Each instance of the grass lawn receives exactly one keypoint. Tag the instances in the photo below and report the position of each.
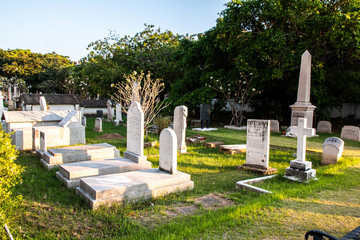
(331, 204)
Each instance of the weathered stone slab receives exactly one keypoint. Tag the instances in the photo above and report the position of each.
(118, 114)
(98, 125)
(274, 126)
(204, 129)
(298, 175)
(73, 116)
(180, 115)
(332, 150)
(22, 138)
(324, 127)
(196, 139)
(213, 144)
(350, 133)
(110, 112)
(233, 149)
(232, 127)
(43, 106)
(300, 165)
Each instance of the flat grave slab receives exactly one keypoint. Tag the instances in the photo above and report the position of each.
(213, 144)
(71, 173)
(232, 127)
(204, 129)
(233, 149)
(131, 186)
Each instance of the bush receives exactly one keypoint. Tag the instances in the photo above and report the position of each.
(162, 122)
(10, 175)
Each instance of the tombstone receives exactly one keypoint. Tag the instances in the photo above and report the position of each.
(99, 113)
(323, 127)
(43, 106)
(73, 116)
(118, 115)
(116, 122)
(43, 146)
(1, 105)
(135, 133)
(98, 125)
(300, 170)
(205, 113)
(257, 146)
(350, 133)
(332, 150)
(110, 112)
(303, 108)
(83, 121)
(274, 126)
(10, 103)
(135, 92)
(168, 151)
(180, 115)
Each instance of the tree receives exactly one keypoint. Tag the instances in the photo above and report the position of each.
(148, 90)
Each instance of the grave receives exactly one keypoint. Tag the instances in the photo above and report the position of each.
(232, 127)
(118, 114)
(350, 133)
(258, 146)
(300, 170)
(180, 115)
(205, 116)
(213, 144)
(1, 104)
(138, 185)
(233, 149)
(110, 112)
(303, 108)
(43, 106)
(83, 121)
(332, 150)
(98, 125)
(56, 156)
(323, 127)
(274, 126)
(196, 139)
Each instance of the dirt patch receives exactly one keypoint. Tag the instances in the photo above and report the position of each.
(111, 136)
(213, 201)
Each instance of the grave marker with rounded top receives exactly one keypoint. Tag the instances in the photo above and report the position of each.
(98, 125)
(350, 133)
(324, 127)
(168, 151)
(332, 150)
(180, 115)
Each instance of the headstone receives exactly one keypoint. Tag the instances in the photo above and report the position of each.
(135, 133)
(274, 126)
(98, 125)
(180, 115)
(257, 146)
(323, 127)
(303, 108)
(73, 116)
(1, 105)
(118, 115)
(43, 106)
(168, 151)
(83, 121)
(332, 150)
(116, 122)
(350, 133)
(135, 92)
(99, 113)
(43, 146)
(205, 113)
(300, 170)
(110, 112)
(10, 103)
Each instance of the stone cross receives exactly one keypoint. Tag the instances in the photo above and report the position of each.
(135, 92)
(180, 115)
(118, 115)
(301, 139)
(43, 106)
(168, 151)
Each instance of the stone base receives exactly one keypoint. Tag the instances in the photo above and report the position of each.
(258, 169)
(131, 186)
(213, 144)
(71, 173)
(233, 149)
(232, 127)
(116, 122)
(300, 176)
(134, 157)
(204, 129)
(301, 165)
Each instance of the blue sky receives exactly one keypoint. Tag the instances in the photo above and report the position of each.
(67, 27)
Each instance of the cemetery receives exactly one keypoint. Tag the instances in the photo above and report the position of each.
(250, 130)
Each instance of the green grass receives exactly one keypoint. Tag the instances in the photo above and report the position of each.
(50, 211)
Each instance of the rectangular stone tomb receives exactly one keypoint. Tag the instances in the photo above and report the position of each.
(71, 173)
(55, 156)
(213, 144)
(131, 186)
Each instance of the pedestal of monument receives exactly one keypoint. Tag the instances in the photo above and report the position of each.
(303, 110)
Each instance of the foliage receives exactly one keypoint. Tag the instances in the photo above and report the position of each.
(9, 176)
(162, 122)
(146, 93)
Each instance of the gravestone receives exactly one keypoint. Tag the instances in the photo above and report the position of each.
(350, 133)
(43, 106)
(180, 115)
(99, 113)
(135, 92)
(323, 127)
(10, 103)
(98, 125)
(135, 133)
(274, 126)
(83, 121)
(118, 115)
(110, 112)
(257, 146)
(1, 105)
(43, 146)
(300, 170)
(303, 108)
(332, 150)
(168, 151)
(73, 116)
(205, 114)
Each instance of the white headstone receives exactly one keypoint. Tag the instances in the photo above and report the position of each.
(135, 92)
(180, 115)
(1, 105)
(43, 106)
(274, 126)
(323, 127)
(350, 133)
(110, 112)
(168, 151)
(98, 125)
(10, 103)
(332, 150)
(258, 142)
(43, 146)
(73, 116)
(135, 133)
(118, 112)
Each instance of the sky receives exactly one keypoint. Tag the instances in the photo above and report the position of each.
(68, 26)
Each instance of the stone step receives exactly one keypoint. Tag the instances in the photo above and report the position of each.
(71, 173)
(131, 186)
